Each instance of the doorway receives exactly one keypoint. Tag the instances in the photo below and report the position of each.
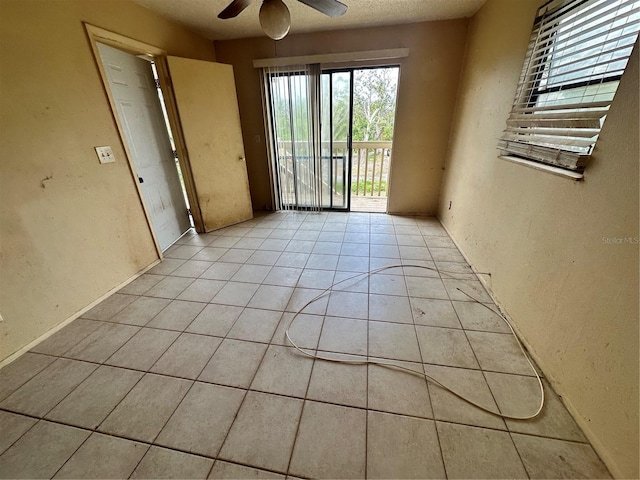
(202, 109)
(174, 148)
(143, 118)
(331, 136)
(375, 93)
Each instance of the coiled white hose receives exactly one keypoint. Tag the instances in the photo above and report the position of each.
(315, 355)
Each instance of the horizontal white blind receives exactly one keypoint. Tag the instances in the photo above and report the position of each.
(577, 53)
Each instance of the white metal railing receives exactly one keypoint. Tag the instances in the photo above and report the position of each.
(369, 168)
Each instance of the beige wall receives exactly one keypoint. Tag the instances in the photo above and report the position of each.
(428, 85)
(69, 239)
(573, 298)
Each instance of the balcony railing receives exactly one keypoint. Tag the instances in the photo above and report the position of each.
(369, 172)
(370, 168)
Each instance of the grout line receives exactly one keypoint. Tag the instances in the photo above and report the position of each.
(135, 335)
(304, 400)
(76, 451)
(73, 389)
(266, 343)
(153, 440)
(235, 417)
(367, 368)
(485, 378)
(66, 424)
(144, 373)
(95, 429)
(33, 376)
(140, 461)
(433, 413)
(38, 420)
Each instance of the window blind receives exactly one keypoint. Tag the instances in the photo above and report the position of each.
(291, 98)
(577, 53)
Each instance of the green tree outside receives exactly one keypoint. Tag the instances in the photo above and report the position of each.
(374, 104)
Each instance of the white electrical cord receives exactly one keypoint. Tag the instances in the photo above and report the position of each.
(311, 354)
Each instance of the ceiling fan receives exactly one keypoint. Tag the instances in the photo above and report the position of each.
(274, 14)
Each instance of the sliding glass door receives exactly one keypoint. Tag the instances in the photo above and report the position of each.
(295, 135)
(336, 94)
(309, 122)
(331, 136)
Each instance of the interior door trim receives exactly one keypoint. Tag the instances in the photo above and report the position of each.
(135, 47)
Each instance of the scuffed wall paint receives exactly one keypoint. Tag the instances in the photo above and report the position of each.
(571, 293)
(71, 229)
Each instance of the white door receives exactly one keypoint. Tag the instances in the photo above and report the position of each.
(133, 89)
(208, 107)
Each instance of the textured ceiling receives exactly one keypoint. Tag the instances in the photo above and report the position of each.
(201, 15)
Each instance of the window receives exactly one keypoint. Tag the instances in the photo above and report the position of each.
(577, 53)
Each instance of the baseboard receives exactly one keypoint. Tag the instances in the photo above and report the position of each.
(412, 214)
(79, 313)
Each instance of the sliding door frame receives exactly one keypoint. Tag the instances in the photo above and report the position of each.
(346, 166)
(348, 163)
(352, 70)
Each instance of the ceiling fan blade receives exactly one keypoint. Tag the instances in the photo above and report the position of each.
(234, 8)
(333, 8)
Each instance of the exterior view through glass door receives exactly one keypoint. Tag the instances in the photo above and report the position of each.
(374, 110)
(335, 132)
(331, 136)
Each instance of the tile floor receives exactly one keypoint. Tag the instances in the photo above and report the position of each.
(186, 372)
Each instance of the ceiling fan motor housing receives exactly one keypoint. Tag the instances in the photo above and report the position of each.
(275, 19)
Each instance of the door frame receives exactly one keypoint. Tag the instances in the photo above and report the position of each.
(347, 166)
(351, 69)
(330, 69)
(135, 47)
(274, 173)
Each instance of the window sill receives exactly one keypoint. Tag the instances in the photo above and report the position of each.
(577, 176)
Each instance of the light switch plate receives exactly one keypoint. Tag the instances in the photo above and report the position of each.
(105, 154)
